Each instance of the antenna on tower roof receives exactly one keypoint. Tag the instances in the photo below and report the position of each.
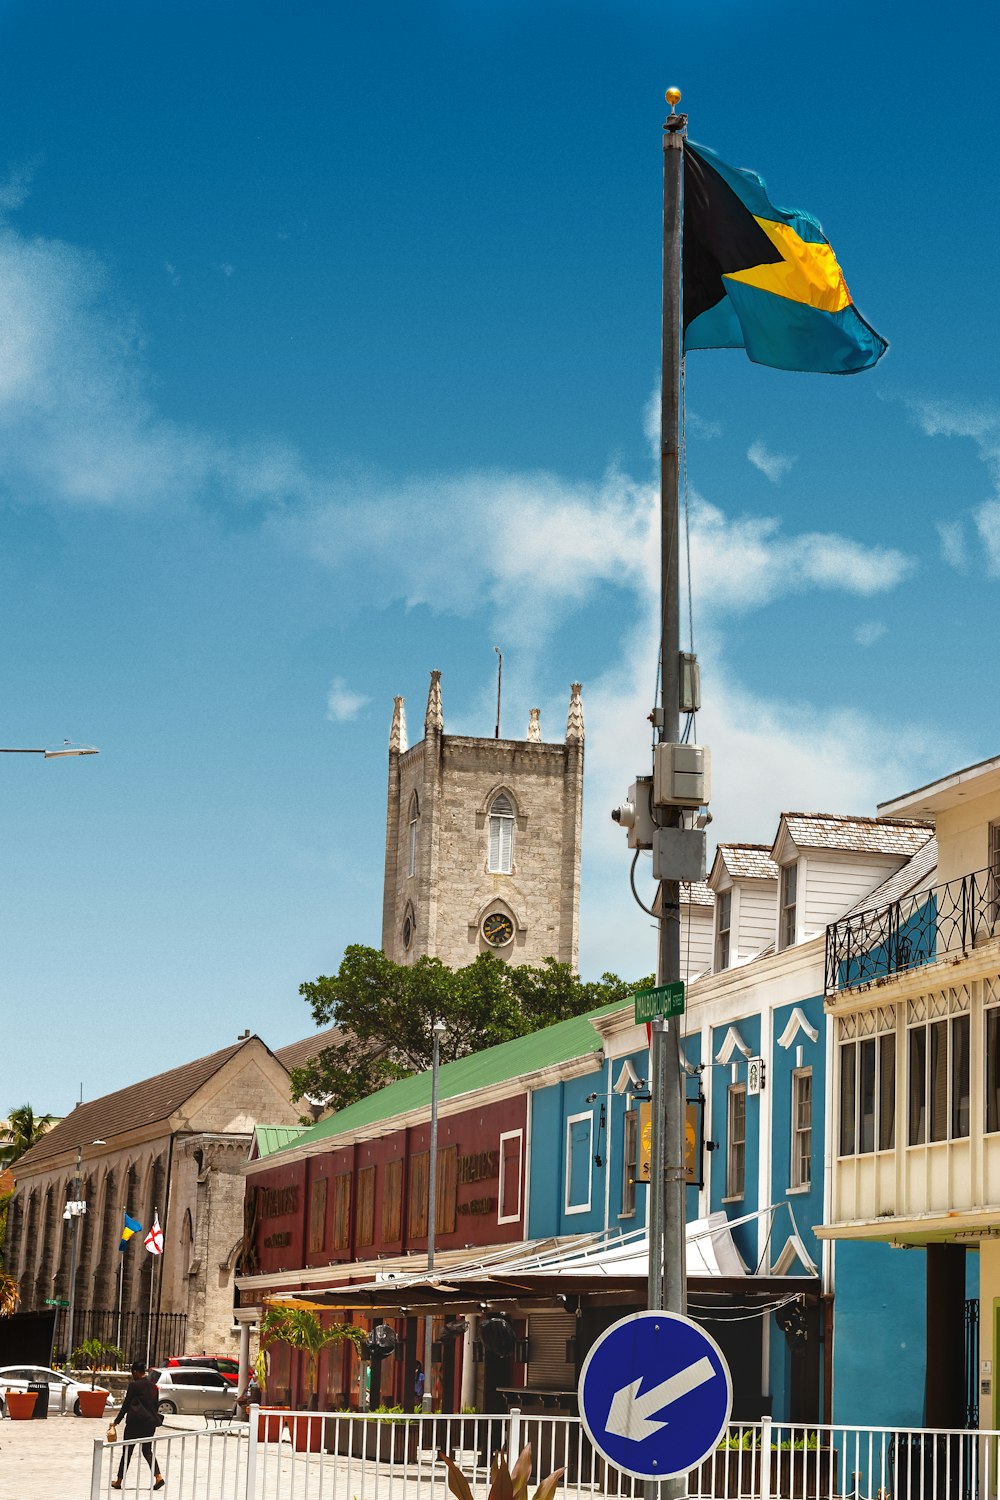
(499, 682)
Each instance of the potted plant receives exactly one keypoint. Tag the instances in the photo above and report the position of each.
(94, 1355)
(301, 1329)
(20, 1405)
(505, 1483)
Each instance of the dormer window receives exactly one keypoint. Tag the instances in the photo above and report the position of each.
(724, 910)
(501, 852)
(789, 885)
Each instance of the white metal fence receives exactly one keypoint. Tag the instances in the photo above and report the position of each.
(286, 1455)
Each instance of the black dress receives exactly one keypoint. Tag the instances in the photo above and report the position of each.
(140, 1410)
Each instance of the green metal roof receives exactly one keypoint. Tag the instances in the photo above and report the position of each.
(541, 1049)
(270, 1138)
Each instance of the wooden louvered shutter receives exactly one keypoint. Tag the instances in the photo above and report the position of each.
(392, 1202)
(365, 1211)
(446, 1208)
(416, 1216)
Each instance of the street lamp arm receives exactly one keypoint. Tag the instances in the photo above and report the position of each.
(66, 749)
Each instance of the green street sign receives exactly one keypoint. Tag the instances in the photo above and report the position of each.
(661, 1000)
(57, 1302)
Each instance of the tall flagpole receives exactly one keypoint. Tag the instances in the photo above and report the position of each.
(667, 1280)
(152, 1283)
(121, 1288)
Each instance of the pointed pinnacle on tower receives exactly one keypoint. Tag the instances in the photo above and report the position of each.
(534, 727)
(574, 719)
(434, 717)
(397, 731)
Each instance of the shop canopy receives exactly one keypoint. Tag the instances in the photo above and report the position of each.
(614, 1265)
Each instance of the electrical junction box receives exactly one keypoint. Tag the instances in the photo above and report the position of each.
(682, 776)
(679, 854)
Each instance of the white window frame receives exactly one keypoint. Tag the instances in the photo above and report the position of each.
(502, 824)
(510, 1135)
(579, 1208)
(735, 1089)
(796, 1182)
(723, 900)
(788, 910)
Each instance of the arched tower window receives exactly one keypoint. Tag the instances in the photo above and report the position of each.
(501, 855)
(411, 860)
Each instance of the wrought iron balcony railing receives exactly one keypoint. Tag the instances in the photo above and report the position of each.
(946, 919)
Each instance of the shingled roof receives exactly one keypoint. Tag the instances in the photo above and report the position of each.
(748, 861)
(697, 893)
(857, 835)
(132, 1108)
(297, 1054)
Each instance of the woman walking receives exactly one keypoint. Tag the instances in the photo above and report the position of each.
(141, 1414)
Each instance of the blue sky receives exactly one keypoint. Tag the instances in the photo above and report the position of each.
(328, 336)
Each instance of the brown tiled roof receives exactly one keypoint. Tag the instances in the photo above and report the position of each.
(140, 1104)
(748, 861)
(297, 1054)
(916, 876)
(697, 894)
(902, 836)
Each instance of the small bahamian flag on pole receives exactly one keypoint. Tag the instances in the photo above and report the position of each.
(154, 1239)
(131, 1227)
(764, 279)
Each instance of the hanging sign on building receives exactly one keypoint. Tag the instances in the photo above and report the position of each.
(694, 1131)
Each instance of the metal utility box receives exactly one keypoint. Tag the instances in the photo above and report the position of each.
(679, 854)
(682, 776)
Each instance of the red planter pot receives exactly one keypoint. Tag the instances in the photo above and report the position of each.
(92, 1403)
(21, 1405)
(307, 1434)
(269, 1426)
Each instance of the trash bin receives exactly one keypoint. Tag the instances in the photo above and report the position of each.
(928, 1466)
(41, 1391)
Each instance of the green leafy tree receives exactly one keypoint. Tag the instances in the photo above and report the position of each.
(10, 1295)
(302, 1329)
(23, 1128)
(386, 1011)
(94, 1355)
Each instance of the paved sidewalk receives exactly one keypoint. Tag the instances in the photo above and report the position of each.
(52, 1460)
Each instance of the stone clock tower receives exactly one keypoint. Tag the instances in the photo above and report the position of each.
(482, 842)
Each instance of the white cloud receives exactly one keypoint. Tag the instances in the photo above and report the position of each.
(869, 631)
(15, 186)
(953, 550)
(774, 465)
(342, 704)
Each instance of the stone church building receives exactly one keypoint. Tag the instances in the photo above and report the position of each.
(175, 1145)
(482, 848)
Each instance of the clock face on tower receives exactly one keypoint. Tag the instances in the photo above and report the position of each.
(498, 929)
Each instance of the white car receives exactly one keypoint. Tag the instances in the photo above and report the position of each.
(19, 1377)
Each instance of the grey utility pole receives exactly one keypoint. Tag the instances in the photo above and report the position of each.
(438, 1032)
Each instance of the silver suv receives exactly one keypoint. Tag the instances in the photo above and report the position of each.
(191, 1391)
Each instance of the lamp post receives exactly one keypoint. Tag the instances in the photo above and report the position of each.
(438, 1032)
(60, 754)
(75, 1208)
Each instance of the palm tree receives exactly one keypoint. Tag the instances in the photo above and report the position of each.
(20, 1132)
(10, 1295)
(301, 1329)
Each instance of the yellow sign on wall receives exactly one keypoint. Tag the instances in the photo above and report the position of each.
(693, 1119)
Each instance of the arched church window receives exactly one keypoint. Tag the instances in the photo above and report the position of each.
(501, 854)
(411, 864)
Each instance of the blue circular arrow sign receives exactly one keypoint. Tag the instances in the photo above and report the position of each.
(655, 1395)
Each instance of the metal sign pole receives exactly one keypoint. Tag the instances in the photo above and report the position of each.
(667, 1269)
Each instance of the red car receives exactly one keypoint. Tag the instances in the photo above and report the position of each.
(226, 1364)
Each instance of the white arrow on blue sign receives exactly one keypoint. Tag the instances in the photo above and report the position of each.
(655, 1395)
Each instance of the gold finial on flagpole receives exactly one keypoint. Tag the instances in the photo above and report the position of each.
(673, 98)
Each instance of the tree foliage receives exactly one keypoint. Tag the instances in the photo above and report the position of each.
(386, 1013)
(22, 1130)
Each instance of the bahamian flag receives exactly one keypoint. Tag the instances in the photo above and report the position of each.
(764, 279)
(132, 1226)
